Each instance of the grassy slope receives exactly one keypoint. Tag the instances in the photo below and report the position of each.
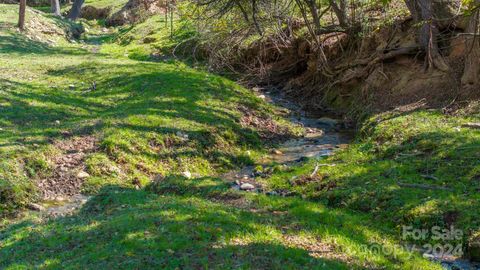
(424, 147)
(135, 104)
(139, 111)
(152, 37)
(114, 4)
(200, 224)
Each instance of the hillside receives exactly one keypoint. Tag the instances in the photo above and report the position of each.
(120, 149)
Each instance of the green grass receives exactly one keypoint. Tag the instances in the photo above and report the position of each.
(152, 39)
(191, 224)
(394, 151)
(114, 4)
(139, 111)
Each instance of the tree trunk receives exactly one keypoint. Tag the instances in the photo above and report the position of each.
(471, 74)
(243, 11)
(341, 12)
(254, 18)
(312, 5)
(76, 9)
(21, 14)
(55, 7)
(431, 14)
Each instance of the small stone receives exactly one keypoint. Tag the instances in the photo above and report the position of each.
(36, 207)
(272, 193)
(277, 152)
(83, 175)
(187, 174)
(182, 135)
(196, 175)
(325, 121)
(247, 186)
(71, 86)
(65, 133)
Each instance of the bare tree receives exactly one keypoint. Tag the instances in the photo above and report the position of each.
(248, 8)
(55, 7)
(312, 5)
(339, 7)
(21, 14)
(431, 15)
(76, 9)
(471, 74)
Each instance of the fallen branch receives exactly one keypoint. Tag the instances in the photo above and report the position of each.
(472, 125)
(426, 176)
(315, 170)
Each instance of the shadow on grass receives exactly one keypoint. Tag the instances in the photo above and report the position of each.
(16, 43)
(195, 229)
(425, 176)
(135, 107)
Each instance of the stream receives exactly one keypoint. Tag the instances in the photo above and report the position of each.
(323, 135)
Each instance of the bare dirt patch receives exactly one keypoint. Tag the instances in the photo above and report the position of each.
(135, 11)
(68, 172)
(315, 247)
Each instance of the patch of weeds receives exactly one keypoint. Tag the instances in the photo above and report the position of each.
(15, 188)
(37, 165)
(99, 164)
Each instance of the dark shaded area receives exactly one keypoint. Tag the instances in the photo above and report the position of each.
(20, 44)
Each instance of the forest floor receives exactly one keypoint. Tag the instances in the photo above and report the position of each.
(149, 141)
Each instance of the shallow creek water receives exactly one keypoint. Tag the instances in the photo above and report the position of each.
(323, 135)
